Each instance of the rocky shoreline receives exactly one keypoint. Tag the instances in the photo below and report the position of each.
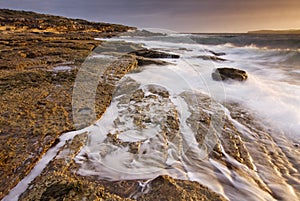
(36, 109)
(36, 98)
(42, 57)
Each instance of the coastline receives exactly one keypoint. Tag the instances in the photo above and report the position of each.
(36, 102)
(35, 97)
(213, 135)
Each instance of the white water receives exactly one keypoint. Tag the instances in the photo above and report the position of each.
(269, 91)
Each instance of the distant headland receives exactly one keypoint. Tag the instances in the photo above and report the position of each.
(290, 31)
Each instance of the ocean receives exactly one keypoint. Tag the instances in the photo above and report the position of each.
(240, 139)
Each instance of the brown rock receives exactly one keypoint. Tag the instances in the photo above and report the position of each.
(212, 58)
(145, 61)
(221, 74)
(154, 54)
(36, 102)
(166, 188)
(217, 53)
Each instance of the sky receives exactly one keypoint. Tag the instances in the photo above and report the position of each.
(177, 15)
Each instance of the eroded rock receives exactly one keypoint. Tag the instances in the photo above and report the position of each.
(217, 53)
(147, 53)
(145, 61)
(166, 188)
(212, 58)
(221, 74)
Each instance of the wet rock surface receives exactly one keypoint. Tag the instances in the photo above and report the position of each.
(217, 53)
(226, 136)
(211, 58)
(58, 180)
(221, 74)
(154, 54)
(144, 62)
(163, 186)
(142, 109)
(268, 151)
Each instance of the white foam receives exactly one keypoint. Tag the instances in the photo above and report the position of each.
(62, 68)
(277, 103)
